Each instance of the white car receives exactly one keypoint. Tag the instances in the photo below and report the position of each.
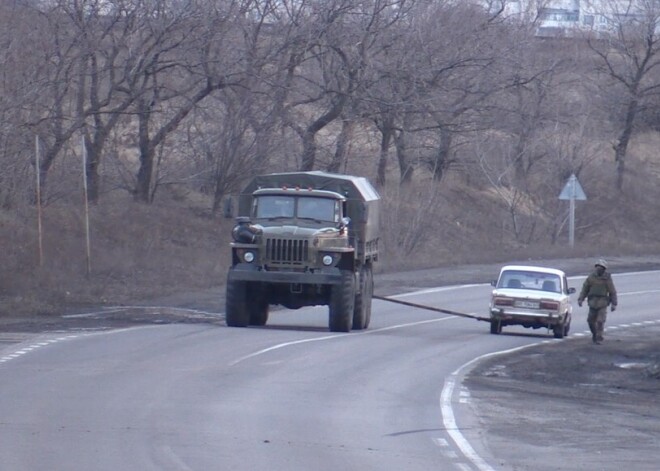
(532, 297)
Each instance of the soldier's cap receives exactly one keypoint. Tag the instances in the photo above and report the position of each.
(601, 263)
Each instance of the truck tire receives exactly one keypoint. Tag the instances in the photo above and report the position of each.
(236, 313)
(362, 310)
(257, 304)
(342, 303)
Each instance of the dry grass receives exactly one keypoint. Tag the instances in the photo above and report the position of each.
(136, 252)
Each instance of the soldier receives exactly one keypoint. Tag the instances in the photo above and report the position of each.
(600, 292)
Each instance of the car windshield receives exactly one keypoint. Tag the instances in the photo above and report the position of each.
(519, 279)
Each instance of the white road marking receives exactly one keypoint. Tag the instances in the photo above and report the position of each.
(23, 350)
(441, 442)
(452, 428)
(336, 336)
(112, 310)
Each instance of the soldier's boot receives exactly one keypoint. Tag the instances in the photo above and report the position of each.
(599, 332)
(594, 336)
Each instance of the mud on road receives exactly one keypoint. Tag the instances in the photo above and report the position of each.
(595, 407)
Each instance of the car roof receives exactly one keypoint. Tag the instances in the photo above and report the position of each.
(547, 270)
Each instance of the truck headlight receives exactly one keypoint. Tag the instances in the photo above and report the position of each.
(327, 260)
(249, 257)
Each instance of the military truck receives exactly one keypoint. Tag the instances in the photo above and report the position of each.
(304, 239)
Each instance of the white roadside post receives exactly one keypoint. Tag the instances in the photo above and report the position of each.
(572, 191)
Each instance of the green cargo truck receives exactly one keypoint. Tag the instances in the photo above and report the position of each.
(304, 239)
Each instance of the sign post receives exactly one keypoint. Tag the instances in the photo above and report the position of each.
(572, 191)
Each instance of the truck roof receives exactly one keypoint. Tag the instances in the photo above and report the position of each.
(347, 185)
(300, 192)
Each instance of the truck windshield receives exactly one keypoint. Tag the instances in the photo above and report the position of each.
(275, 206)
(322, 209)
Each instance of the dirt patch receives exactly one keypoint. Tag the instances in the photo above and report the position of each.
(598, 404)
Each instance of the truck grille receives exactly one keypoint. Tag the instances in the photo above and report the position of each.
(287, 251)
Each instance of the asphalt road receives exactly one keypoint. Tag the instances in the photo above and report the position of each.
(288, 396)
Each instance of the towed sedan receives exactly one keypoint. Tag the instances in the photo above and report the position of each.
(533, 297)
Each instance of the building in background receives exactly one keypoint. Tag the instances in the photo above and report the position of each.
(568, 18)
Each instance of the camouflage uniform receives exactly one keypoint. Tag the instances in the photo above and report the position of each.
(600, 292)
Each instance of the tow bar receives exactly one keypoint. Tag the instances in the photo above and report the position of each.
(431, 308)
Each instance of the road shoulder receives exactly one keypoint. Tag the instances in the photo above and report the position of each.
(597, 405)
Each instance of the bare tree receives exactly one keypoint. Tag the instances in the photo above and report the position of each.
(187, 62)
(629, 55)
(445, 84)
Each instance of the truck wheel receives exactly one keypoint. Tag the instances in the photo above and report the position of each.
(370, 285)
(342, 302)
(236, 314)
(495, 326)
(258, 306)
(362, 310)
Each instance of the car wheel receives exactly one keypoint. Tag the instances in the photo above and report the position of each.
(495, 326)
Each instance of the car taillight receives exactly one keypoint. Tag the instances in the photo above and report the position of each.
(550, 305)
(503, 301)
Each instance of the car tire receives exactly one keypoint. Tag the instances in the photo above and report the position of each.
(495, 326)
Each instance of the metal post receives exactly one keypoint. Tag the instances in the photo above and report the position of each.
(39, 227)
(88, 250)
(571, 223)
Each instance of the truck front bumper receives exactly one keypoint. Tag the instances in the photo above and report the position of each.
(245, 272)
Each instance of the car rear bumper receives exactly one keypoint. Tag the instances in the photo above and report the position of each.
(512, 317)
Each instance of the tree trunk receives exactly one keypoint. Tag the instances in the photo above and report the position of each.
(405, 169)
(442, 159)
(621, 147)
(148, 145)
(143, 182)
(386, 134)
(341, 151)
(309, 138)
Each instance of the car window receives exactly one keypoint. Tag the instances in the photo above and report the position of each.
(520, 279)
